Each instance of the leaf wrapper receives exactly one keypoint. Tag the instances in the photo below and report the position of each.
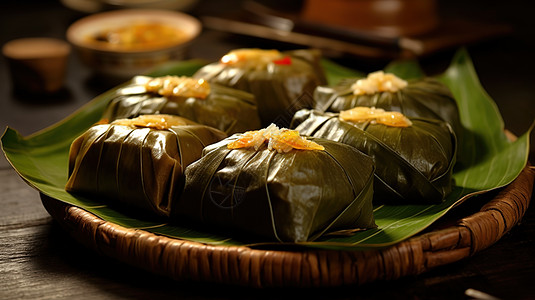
(421, 98)
(414, 164)
(41, 159)
(286, 197)
(136, 168)
(226, 109)
(280, 89)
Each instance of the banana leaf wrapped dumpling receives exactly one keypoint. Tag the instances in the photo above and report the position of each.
(290, 189)
(421, 98)
(282, 82)
(139, 163)
(414, 157)
(224, 108)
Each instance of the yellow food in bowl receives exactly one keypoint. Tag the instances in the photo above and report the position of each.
(120, 44)
(139, 35)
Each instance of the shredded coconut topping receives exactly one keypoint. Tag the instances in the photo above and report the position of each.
(374, 115)
(178, 86)
(282, 140)
(378, 82)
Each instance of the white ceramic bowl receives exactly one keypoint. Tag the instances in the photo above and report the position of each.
(124, 63)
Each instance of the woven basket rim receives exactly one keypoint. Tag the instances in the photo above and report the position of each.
(244, 266)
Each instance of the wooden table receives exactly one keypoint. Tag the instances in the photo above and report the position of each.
(38, 260)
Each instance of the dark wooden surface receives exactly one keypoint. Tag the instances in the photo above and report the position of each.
(38, 260)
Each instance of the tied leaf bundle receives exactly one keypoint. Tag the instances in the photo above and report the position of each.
(293, 196)
(282, 82)
(421, 98)
(226, 109)
(491, 161)
(139, 163)
(414, 164)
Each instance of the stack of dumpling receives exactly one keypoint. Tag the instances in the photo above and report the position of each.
(210, 151)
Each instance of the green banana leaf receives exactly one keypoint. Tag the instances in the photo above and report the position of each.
(41, 159)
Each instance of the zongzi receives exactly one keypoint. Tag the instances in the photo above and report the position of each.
(138, 163)
(421, 98)
(282, 82)
(276, 184)
(224, 108)
(414, 157)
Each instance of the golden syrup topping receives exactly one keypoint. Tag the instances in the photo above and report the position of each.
(374, 115)
(253, 58)
(178, 86)
(281, 140)
(160, 122)
(377, 82)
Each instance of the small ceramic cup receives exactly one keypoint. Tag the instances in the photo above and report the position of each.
(37, 65)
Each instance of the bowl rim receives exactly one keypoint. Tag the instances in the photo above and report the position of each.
(81, 25)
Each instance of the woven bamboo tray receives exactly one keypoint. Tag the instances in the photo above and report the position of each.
(239, 265)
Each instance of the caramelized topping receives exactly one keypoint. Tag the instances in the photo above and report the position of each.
(160, 122)
(282, 140)
(377, 82)
(375, 115)
(176, 86)
(254, 58)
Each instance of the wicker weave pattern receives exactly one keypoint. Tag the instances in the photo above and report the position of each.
(185, 260)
